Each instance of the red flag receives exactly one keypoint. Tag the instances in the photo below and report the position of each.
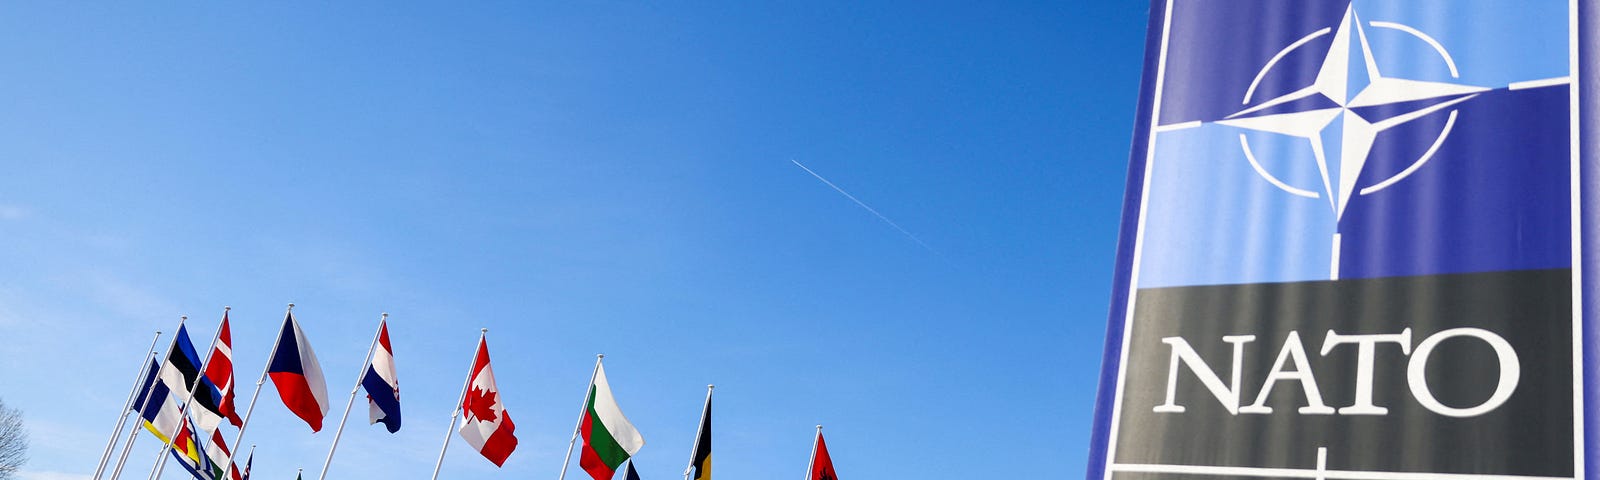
(822, 466)
(220, 370)
(485, 423)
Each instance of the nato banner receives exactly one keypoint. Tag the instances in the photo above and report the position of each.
(1359, 242)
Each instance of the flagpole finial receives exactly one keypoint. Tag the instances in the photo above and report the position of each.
(710, 386)
(819, 428)
(385, 315)
(483, 330)
(291, 306)
(184, 318)
(600, 355)
(226, 308)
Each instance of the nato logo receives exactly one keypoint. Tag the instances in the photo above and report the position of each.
(1358, 140)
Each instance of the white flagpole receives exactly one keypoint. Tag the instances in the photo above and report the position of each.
(813, 463)
(482, 333)
(693, 452)
(183, 411)
(138, 380)
(583, 410)
(364, 364)
(134, 435)
(146, 404)
(226, 469)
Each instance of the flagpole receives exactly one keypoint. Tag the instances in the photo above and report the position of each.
(693, 452)
(813, 463)
(138, 380)
(194, 386)
(252, 408)
(200, 375)
(584, 410)
(133, 434)
(364, 364)
(482, 333)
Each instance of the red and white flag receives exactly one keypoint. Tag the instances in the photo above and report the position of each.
(220, 370)
(486, 424)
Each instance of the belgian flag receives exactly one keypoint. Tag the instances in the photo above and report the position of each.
(700, 460)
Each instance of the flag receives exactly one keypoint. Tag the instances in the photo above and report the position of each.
(822, 465)
(297, 375)
(608, 438)
(187, 448)
(219, 369)
(247, 463)
(700, 459)
(158, 411)
(485, 423)
(217, 454)
(631, 474)
(383, 386)
(181, 372)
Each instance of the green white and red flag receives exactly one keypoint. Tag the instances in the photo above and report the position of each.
(608, 437)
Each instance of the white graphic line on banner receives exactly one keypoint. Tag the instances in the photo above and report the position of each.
(1547, 82)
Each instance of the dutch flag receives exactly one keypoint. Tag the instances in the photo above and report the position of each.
(297, 375)
(383, 387)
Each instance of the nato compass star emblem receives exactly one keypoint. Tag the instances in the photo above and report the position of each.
(1344, 110)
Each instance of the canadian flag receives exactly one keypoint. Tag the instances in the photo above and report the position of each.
(485, 423)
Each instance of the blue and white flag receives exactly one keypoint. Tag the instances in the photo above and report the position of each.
(383, 386)
(1359, 240)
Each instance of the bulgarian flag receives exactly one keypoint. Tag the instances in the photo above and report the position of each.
(608, 438)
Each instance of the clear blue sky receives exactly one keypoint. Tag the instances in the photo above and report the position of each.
(580, 178)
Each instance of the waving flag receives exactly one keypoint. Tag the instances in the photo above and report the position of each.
(630, 474)
(700, 459)
(383, 386)
(217, 455)
(248, 462)
(608, 438)
(159, 412)
(821, 463)
(486, 425)
(181, 372)
(297, 375)
(187, 448)
(219, 369)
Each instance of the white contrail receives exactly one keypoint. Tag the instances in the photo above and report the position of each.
(864, 205)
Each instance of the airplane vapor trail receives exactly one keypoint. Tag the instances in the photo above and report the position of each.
(865, 206)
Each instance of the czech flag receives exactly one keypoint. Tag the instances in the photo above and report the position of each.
(383, 386)
(297, 375)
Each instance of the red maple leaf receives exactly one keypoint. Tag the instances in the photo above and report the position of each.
(480, 403)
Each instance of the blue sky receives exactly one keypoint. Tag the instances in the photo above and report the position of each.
(580, 178)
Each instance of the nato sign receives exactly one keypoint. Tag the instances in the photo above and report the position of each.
(1359, 242)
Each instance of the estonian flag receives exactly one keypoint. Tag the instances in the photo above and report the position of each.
(181, 373)
(383, 386)
(297, 375)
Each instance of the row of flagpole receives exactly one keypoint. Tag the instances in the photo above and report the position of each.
(598, 411)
